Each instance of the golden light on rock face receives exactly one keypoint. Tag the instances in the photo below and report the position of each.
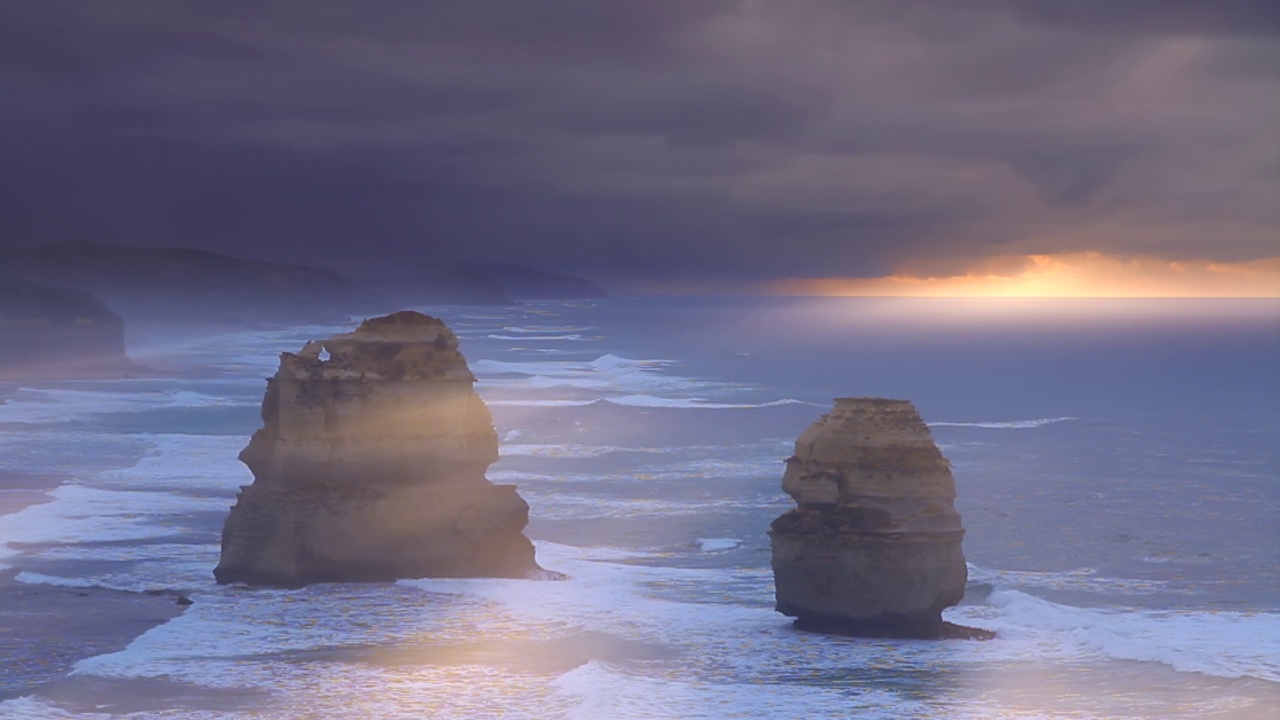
(1089, 274)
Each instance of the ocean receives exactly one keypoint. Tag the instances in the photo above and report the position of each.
(1117, 465)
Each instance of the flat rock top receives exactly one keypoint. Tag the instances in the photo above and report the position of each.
(405, 345)
(869, 432)
(403, 326)
(879, 419)
(872, 403)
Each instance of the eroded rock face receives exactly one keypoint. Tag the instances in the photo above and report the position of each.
(873, 547)
(370, 465)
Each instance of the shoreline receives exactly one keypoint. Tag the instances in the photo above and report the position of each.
(46, 629)
(19, 491)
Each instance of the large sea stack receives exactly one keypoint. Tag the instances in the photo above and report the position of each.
(370, 466)
(874, 547)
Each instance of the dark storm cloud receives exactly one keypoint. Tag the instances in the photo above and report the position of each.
(1188, 17)
(1126, 17)
(645, 140)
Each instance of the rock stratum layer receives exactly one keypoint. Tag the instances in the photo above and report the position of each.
(370, 466)
(873, 547)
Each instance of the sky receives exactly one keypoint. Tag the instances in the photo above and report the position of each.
(919, 147)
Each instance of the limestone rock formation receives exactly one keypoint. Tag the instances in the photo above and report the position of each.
(873, 547)
(370, 466)
(51, 332)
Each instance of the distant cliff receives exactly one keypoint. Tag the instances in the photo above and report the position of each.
(49, 332)
(180, 285)
(172, 284)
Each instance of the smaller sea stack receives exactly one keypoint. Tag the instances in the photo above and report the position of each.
(370, 466)
(873, 548)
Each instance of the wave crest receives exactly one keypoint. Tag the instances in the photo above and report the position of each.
(1010, 424)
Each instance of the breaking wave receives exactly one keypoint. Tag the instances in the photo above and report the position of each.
(650, 401)
(717, 544)
(1220, 644)
(47, 405)
(534, 338)
(1009, 425)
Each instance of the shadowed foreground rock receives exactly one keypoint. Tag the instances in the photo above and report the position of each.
(874, 547)
(370, 466)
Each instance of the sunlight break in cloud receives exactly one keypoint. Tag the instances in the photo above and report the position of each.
(1089, 274)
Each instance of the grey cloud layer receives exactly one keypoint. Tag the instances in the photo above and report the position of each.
(647, 140)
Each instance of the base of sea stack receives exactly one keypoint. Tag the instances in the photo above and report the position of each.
(889, 626)
(325, 534)
(500, 557)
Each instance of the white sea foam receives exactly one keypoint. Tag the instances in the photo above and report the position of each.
(66, 452)
(535, 338)
(32, 578)
(163, 553)
(82, 514)
(518, 477)
(238, 639)
(565, 368)
(180, 475)
(747, 466)
(257, 346)
(64, 405)
(539, 403)
(569, 450)
(604, 592)
(1221, 644)
(591, 569)
(607, 372)
(651, 401)
(185, 463)
(170, 565)
(647, 401)
(1009, 425)
(718, 544)
(542, 382)
(554, 503)
(1075, 579)
(31, 707)
(602, 690)
(546, 329)
(615, 380)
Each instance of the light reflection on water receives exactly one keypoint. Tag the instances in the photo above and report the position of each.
(651, 625)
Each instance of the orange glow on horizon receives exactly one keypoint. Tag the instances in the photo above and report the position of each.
(1088, 274)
